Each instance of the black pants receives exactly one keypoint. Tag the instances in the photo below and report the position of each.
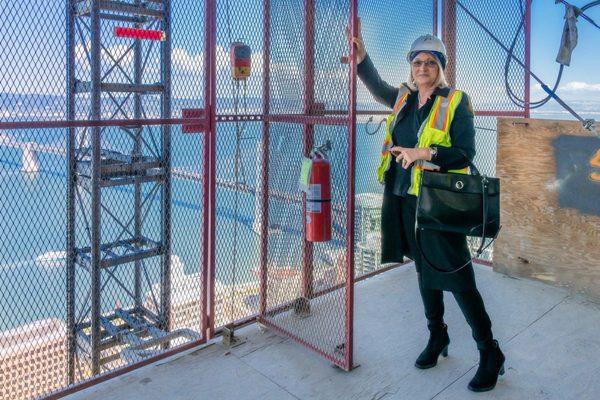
(471, 305)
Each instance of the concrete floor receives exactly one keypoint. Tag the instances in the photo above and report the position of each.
(550, 340)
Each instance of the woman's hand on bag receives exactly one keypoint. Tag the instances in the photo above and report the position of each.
(408, 155)
(358, 43)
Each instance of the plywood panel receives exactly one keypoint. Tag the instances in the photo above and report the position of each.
(550, 203)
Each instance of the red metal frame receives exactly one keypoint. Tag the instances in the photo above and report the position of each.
(264, 222)
(206, 198)
(58, 124)
(307, 135)
(487, 113)
(435, 17)
(123, 370)
(449, 38)
(527, 27)
(350, 195)
(210, 154)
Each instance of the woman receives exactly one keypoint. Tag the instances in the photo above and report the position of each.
(430, 124)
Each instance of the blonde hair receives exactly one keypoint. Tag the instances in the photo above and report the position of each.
(439, 82)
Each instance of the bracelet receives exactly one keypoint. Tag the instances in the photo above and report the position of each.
(433, 151)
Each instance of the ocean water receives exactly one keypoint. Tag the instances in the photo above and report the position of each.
(33, 213)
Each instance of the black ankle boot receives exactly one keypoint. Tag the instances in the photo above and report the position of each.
(491, 364)
(438, 343)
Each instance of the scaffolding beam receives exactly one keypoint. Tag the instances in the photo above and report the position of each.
(99, 161)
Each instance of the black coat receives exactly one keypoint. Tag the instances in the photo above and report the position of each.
(398, 211)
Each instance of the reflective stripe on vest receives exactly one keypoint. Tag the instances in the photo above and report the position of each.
(385, 161)
(436, 132)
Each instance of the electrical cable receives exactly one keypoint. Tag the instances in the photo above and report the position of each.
(587, 123)
(511, 95)
(371, 133)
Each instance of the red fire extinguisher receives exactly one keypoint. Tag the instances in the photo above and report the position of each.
(318, 198)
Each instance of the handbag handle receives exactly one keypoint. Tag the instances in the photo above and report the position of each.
(484, 191)
(484, 194)
(472, 167)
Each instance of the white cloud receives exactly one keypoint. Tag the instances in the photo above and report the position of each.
(184, 61)
(257, 62)
(118, 51)
(580, 86)
(82, 51)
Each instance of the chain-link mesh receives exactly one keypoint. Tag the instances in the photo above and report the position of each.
(33, 59)
(389, 27)
(33, 331)
(237, 222)
(141, 220)
(101, 227)
(297, 274)
(307, 78)
(238, 160)
(34, 56)
(33, 291)
(476, 53)
(486, 71)
(387, 33)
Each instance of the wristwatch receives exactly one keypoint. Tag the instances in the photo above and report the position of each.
(433, 151)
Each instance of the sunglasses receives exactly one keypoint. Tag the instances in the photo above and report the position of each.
(428, 63)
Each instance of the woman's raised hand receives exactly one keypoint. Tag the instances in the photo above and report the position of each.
(408, 155)
(358, 43)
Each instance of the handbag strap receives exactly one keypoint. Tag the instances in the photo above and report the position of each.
(484, 200)
(472, 167)
(484, 194)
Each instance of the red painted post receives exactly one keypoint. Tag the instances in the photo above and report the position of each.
(264, 218)
(449, 39)
(209, 185)
(350, 195)
(435, 17)
(527, 55)
(309, 85)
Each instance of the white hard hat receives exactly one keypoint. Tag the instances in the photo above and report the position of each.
(431, 44)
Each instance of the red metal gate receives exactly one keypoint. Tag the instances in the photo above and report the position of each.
(307, 288)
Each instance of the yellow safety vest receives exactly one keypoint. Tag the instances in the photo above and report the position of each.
(435, 131)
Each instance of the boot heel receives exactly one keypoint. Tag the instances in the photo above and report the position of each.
(445, 351)
(501, 370)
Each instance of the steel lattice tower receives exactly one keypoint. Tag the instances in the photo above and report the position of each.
(119, 187)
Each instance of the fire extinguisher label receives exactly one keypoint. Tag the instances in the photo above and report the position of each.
(313, 206)
(305, 174)
(314, 192)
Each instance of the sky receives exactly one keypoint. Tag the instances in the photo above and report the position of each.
(32, 44)
(582, 77)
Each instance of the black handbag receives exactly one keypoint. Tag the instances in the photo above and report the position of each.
(467, 204)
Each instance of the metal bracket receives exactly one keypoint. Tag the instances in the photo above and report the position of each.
(302, 307)
(229, 339)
